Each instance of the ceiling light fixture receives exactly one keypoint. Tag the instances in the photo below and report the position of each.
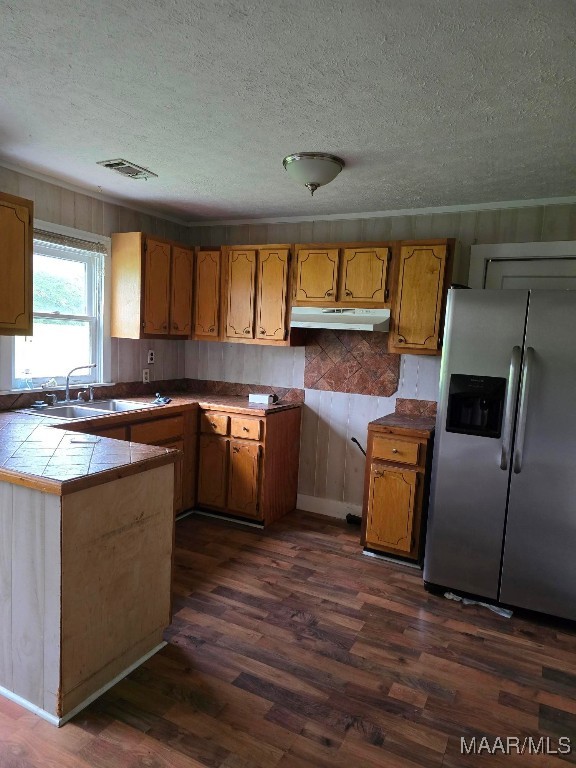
(313, 169)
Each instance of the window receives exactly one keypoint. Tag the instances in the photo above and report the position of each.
(67, 314)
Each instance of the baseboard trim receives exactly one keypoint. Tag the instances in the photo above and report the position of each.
(328, 507)
(58, 721)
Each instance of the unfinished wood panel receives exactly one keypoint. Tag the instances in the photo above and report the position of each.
(181, 291)
(190, 460)
(207, 294)
(316, 274)
(391, 503)
(116, 572)
(157, 430)
(272, 294)
(126, 285)
(245, 427)
(364, 274)
(212, 471)
(16, 218)
(244, 479)
(241, 294)
(52, 591)
(156, 287)
(418, 309)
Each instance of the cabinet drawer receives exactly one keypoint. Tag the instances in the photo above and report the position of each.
(214, 423)
(158, 430)
(249, 429)
(391, 449)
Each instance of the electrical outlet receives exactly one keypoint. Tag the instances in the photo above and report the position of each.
(145, 375)
(150, 356)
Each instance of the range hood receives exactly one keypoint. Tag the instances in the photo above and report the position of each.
(342, 318)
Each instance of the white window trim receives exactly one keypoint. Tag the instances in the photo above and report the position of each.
(7, 342)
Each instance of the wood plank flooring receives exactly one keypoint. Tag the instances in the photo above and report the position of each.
(290, 649)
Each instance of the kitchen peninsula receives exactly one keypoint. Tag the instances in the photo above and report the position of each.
(86, 528)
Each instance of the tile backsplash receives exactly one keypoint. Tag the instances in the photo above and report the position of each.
(350, 361)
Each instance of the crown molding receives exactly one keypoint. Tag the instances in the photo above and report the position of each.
(91, 193)
(472, 207)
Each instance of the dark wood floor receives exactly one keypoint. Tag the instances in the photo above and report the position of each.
(291, 649)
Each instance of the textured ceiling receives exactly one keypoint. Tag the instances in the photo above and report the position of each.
(429, 103)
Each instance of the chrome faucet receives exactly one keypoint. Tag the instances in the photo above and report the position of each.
(78, 368)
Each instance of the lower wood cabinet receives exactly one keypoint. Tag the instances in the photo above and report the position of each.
(396, 487)
(173, 430)
(248, 465)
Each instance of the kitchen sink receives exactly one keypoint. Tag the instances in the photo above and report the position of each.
(71, 412)
(89, 410)
(116, 405)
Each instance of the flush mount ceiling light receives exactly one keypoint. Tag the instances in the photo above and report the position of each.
(312, 169)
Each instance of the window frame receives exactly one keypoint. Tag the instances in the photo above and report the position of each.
(98, 311)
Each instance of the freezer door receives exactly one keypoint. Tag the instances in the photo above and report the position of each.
(539, 567)
(470, 474)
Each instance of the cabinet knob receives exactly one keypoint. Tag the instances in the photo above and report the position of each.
(165, 326)
(245, 429)
(211, 329)
(401, 339)
(213, 424)
(348, 293)
(235, 449)
(394, 450)
(175, 325)
(329, 293)
(262, 331)
(247, 331)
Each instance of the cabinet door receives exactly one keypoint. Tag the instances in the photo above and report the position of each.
(391, 501)
(241, 279)
(178, 474)
(272, 295)
(207, 301)
(244, 477)
(181, 293)
(156, 287)
(418, 310)
(15, 265)
(316, 274)
(212, 471)
(364, 272)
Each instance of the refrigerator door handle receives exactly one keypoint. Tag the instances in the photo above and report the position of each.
(509, 406)
(521, 430)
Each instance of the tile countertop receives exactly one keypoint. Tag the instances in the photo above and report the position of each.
(43, 453)
(416, 426)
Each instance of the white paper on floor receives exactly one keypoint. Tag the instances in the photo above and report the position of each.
(505, 612)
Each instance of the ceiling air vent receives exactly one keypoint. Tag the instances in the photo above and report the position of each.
(126, 168)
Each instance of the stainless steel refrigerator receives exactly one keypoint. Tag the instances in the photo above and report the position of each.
(502, 517)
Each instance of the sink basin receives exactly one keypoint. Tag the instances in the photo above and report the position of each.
(116, 405)
(72, 412)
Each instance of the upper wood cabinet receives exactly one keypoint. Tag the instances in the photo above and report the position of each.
(257, 294)
(342, 274)
(417, 316)
(207, 295)
(151, 287)
(16, 219)
(241, 293)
